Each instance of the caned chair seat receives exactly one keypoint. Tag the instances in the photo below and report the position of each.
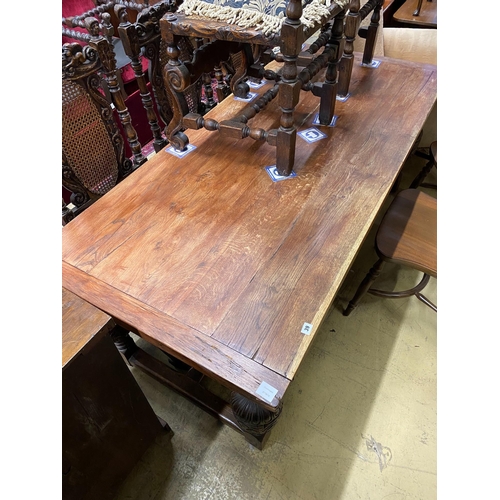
(93, 150)
(407, 235)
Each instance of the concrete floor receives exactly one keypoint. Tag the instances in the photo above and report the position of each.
(359, 419)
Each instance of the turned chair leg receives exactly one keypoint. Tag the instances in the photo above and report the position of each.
(422, 175)
(365, 285)
(432, 162)
(417, 10)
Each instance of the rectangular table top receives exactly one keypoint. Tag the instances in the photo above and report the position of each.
(208, 258)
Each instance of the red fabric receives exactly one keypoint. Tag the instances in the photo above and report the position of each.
(133, 102)
(139, 119)
(75, 8)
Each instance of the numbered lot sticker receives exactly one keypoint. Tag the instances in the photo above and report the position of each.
(179, 153)
(306, 329)
(373, 64)
(312, 134)
(273, 173)
(267, 392)
(256, 85)
(343, 98)
(250, 97)
(332, 123)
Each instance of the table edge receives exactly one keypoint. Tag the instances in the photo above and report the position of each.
(191, 343)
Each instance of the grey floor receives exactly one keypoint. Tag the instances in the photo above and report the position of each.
(359, 419)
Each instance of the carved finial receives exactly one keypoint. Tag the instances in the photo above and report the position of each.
(121, 13)
(107, 28)
(92, 25)
(294, 10)
(72, 56)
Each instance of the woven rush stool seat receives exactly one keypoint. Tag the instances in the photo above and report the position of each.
(252, 34)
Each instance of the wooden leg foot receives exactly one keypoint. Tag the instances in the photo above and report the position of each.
(255, 421)
(123, 342)
(365, 285)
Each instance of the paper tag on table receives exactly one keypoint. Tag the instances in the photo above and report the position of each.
(312, 135)
(178, 152)
(306, 328)
(266, 392)
(275, 176)
(250, 97)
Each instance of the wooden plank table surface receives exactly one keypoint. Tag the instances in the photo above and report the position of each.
(210, 260)
(82, 326)
(427, 17)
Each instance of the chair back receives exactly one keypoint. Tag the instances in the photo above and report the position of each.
(93, 151)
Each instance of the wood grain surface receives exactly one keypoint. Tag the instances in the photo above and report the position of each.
(408, 232)
(207, 254)
(82, 325)
(427, 17)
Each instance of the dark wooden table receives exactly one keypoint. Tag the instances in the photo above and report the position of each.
(107, 422)
(426, 19)
(214, 263)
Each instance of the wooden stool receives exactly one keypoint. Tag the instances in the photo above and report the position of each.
(407, 235)
(234, 33)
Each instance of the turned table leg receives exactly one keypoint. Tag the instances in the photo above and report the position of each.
(365, 285)
(254, 420)
(123, 342)
(251, 419)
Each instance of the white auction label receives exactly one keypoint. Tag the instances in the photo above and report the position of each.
(267, 392)
(178, 152)
(306, 328)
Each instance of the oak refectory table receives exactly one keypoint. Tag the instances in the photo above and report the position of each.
(212, 261)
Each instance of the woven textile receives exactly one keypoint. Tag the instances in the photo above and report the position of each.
(270, 7)
(267, 16)
(86, 142)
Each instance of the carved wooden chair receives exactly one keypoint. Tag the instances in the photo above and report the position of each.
(115, 62)
(93, 150)
(247, 38)
(407, 235)
(142, 39)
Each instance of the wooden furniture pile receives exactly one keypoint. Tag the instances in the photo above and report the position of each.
(208, 258)
(229, 262)
(181, 65)
(92, 75)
